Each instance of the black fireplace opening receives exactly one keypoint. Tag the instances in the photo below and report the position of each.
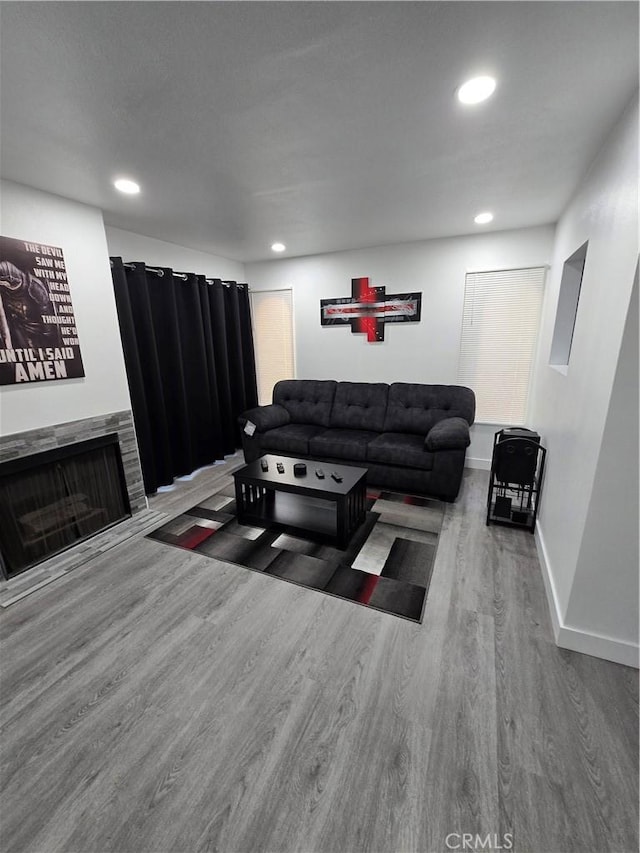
(52, 500)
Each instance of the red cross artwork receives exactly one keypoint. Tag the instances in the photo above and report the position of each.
(369, 309)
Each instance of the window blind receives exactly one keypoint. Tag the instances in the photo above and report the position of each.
(272, 314)
(500, 325)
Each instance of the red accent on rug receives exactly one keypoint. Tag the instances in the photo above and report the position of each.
(368, 588)
(192, 537)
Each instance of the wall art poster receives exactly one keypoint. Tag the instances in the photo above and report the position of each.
(369, 309)
(38, 336)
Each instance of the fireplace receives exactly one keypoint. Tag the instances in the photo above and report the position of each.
(52, 500)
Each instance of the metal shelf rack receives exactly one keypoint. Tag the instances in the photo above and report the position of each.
(517, 469)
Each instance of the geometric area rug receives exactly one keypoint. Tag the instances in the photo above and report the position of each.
(386, 566)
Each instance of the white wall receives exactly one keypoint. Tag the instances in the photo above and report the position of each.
(413, 352)
(28, 214)
(136, 247)
(605, 587)
(571, 407)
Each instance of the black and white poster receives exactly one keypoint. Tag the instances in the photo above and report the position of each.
(38, 335)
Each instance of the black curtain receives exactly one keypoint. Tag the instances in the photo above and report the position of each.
(188, 350)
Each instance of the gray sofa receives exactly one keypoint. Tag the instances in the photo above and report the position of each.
(410, 437)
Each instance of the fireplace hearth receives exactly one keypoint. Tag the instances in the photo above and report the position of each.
(52, 500)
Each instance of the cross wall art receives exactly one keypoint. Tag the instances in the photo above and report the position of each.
(368, 309)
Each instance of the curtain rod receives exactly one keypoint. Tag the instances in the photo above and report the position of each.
(183, 275)
(159, 272)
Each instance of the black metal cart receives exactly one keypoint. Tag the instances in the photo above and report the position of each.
(517, 468)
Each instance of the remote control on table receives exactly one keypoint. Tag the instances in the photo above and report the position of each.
(280, 468)
(336, 477)
(264, 465)
(320, 473)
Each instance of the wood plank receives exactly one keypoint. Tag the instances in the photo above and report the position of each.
(159, 700)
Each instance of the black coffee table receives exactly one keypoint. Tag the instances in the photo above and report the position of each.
(318, 508)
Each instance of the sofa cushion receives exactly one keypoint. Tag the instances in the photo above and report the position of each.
(342, 444)
(448, 434)
(308, 401)
(360, 405)
(402, 449)
(292, 438)
(414, 408)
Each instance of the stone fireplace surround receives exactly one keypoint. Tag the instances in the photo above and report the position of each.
(27, 443)
(22, 444)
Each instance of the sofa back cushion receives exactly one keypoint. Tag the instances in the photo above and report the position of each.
(414, 408)
(360, 405)
(308, 401)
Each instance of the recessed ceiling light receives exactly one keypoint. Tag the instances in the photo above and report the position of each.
(476, 90)
(124, 185)
(483, 218)
(278, 247)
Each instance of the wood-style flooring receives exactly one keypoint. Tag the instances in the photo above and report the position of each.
(155, 700)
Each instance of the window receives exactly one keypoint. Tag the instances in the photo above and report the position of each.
(500, 325)
(567, 310)
(272, 315)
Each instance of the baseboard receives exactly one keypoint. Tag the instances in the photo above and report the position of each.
(482, 464)
(599, 646)
(549, 585)
(576, 639)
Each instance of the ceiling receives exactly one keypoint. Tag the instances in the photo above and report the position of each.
(325, 125)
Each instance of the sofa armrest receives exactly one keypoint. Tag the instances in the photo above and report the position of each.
(448, 434)
(266, 417)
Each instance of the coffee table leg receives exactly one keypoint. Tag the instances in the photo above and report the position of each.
(342, 520)
(361, 503)
(240, 507)
(350, 513)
